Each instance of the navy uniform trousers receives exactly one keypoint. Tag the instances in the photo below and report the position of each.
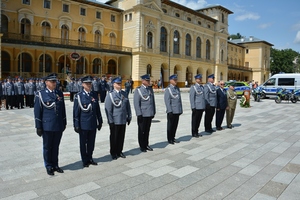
(87, 144)
(209, 114)
(143, 131)
(51, 141)
(196, 119)
(172, 125)
(117, 136)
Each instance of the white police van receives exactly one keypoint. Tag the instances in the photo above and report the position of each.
(288, 81)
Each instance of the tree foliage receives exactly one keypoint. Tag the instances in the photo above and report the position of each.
(237, 36)
(283, 61)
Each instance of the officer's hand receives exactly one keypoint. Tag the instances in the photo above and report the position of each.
(194, 109)
(99, 127)
(170, 114)
(207, 106)
(128, 121)
(39, 132)
(77, 129)
(140, 118)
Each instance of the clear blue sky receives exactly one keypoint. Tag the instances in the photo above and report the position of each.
(275, 21)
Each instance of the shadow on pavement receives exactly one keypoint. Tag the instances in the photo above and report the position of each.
(73, 166)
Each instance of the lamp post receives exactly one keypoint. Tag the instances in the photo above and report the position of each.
(175, 40)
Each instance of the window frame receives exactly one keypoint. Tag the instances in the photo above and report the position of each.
(83, 11)
(26, 2)
(100, 15)
(47, 1)
(64, 5)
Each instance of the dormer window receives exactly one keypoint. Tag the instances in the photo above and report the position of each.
(164, 10)
(208, 26)
(177, 15)
(189, 19)
(199, 23)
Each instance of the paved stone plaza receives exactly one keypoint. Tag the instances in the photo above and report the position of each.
(258, 159)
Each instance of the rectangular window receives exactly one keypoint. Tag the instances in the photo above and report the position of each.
(98, 15)
(27, 2)
(112, 18)
(286, 81)
(247, 64)
(65, 8)
(82, 11)
(247, 51)
(47, 4)
(126, 18)
(130, 17)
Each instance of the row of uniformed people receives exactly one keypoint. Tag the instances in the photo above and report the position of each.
(14, 91)
(50, 116)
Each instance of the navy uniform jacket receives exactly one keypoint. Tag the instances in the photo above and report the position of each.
(20, 89)
(50, 111)
(117, 107)
(79, 86)
(172, 99)
(1, 89)
(103, 86)
(143, 101)
(86, 111)
(30, 89)
(210, 94)
(221, 99)
(197, 99)
(9, 89)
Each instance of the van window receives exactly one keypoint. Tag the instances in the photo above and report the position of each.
(286, 81)
(271, 81)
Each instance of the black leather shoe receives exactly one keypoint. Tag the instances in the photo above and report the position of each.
(121, 155)
(92, 162)
(171, 142)
(50, 171)
(58, 169)
(229, 127)
(143, 150)
(195, 135)
(86, 164)
(149, 148)
(114, 157)
(176, 141)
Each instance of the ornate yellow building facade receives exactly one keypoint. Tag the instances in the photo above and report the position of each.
(127, 38)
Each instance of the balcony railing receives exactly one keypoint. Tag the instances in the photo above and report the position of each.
(239, 67)
(63, 43)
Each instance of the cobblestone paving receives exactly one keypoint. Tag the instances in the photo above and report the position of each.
(258, 159)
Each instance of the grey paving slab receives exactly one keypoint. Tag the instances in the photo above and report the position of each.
(258, 159)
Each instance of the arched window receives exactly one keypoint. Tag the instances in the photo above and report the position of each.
(175, 70)
(5, 61)
(163, 39)
(4, 24)
(176, 42)
(64, 34)
(80, 65)
(207, 50)
(222, 55)
(81, 35)
(24, 61)
(188, 42)
(149, 40)
(149, 69)
(112, 67)
(97, 38)
(25, 28)
(112, 39)
(48, 63)
(45, 30)
(221, 76)
(97, 66)
(198, 47)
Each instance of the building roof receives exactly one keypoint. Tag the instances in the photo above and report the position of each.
(251, 39)
(216, 6)
(99, 4)
(186, 9)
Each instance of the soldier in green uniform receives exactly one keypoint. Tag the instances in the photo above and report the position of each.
(231, 100)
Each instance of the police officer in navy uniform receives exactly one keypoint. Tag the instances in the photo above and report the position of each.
(197, 102)
(210, 101)
(9, 90)
(173, 104)
(144, 105)
(118, 112)
(87, 119)
(30, 91)
(50, 122)
(103, 88)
